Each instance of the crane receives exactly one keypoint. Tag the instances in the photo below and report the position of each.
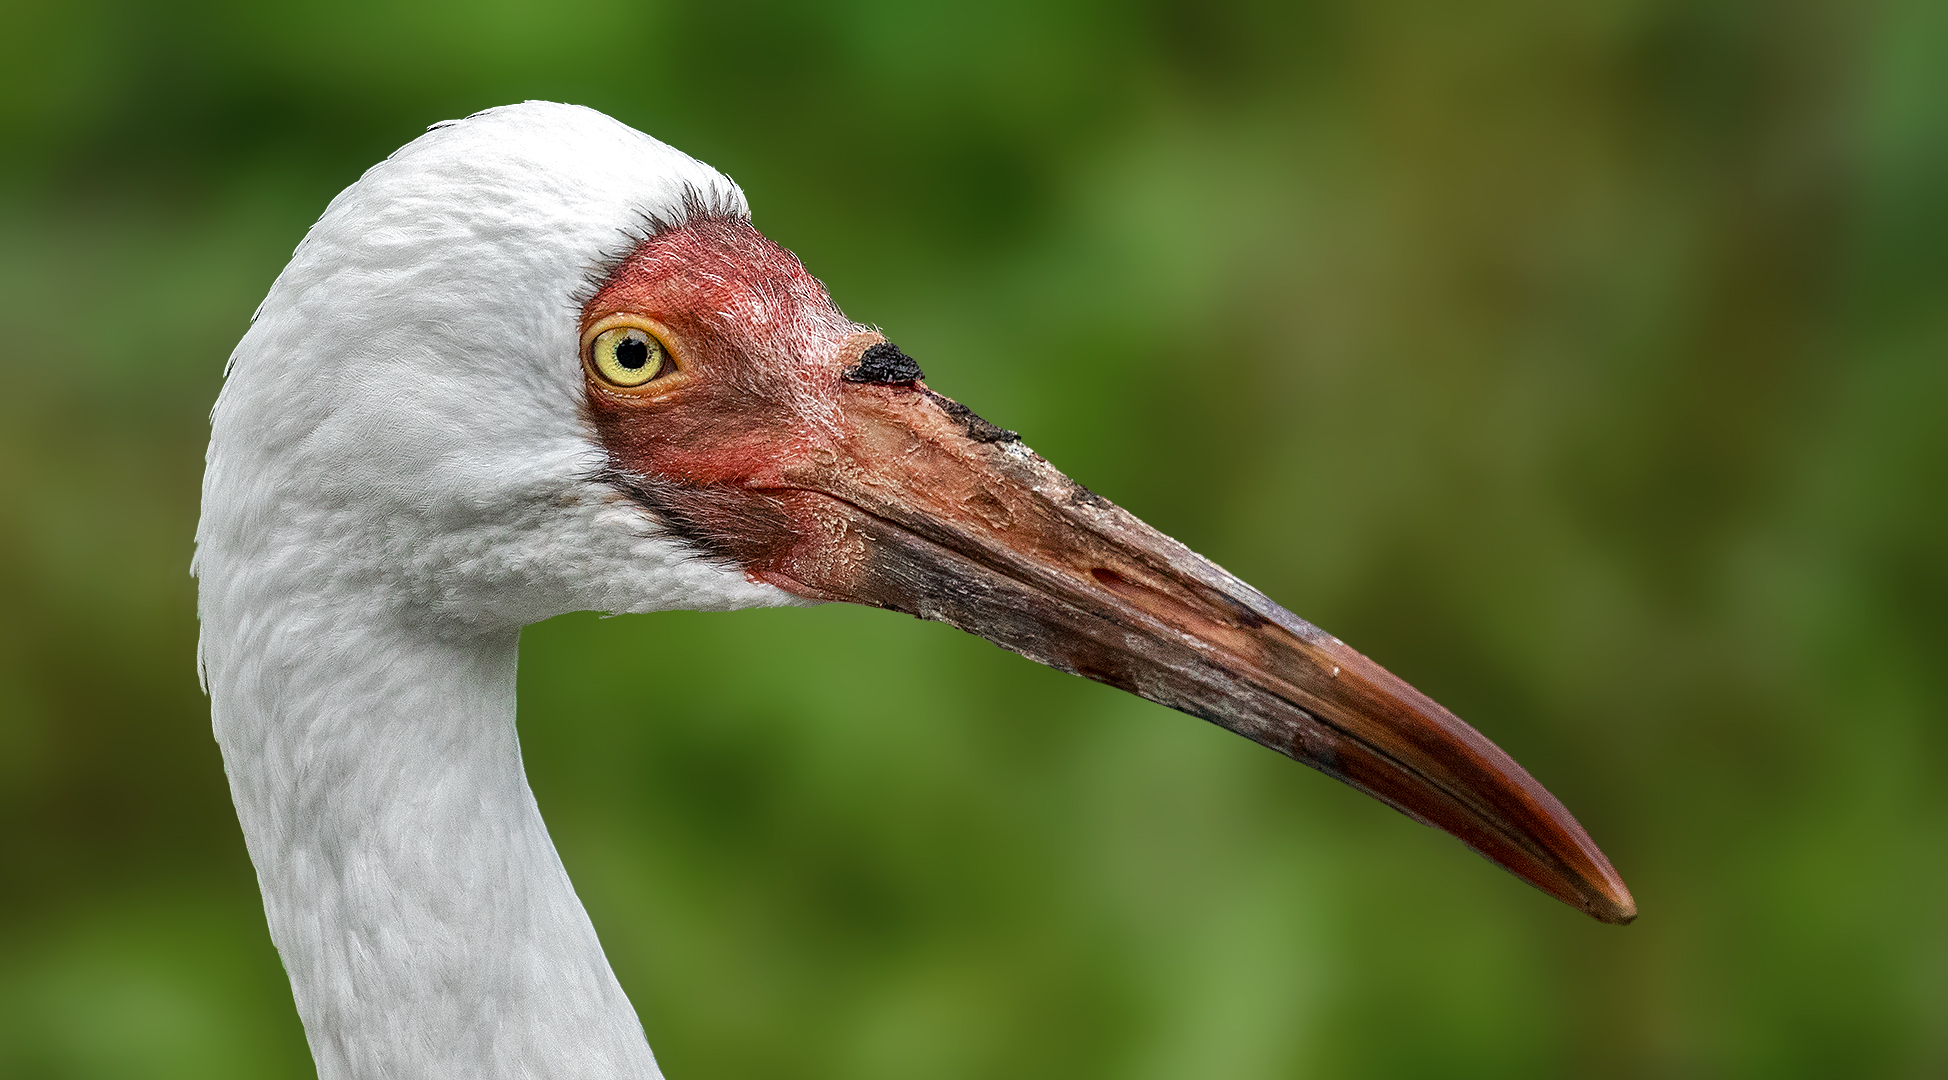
(536, 362)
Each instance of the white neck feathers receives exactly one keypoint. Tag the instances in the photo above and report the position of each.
(427, 925)
(400, 476)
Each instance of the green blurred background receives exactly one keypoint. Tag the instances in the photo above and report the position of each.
(1586, 364)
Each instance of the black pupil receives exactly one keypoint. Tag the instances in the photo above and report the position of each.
(632, 353)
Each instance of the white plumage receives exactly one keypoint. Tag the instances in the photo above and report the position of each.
(399, 478)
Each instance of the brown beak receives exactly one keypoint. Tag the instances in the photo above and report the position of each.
(925, 508)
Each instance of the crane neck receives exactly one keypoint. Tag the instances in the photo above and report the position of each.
(422, 913)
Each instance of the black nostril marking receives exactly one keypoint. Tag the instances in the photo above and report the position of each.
(885, 365)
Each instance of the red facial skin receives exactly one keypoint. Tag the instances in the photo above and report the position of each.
(760, 452)
(760, 414)
(760, 349)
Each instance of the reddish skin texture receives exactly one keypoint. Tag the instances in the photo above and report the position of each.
(759, 452)
(760, 349)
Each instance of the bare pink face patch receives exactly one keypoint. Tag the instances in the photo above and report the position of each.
(778, 406)
(760, 353)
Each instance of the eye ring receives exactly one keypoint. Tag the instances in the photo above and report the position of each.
(628, 353)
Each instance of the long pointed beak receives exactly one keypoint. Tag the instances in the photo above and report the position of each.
(927, 509)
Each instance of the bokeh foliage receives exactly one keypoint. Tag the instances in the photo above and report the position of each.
(1586, 364)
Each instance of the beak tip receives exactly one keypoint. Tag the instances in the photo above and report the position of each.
(1614, 905)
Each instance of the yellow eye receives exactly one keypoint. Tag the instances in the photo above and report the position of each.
(628, 356)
